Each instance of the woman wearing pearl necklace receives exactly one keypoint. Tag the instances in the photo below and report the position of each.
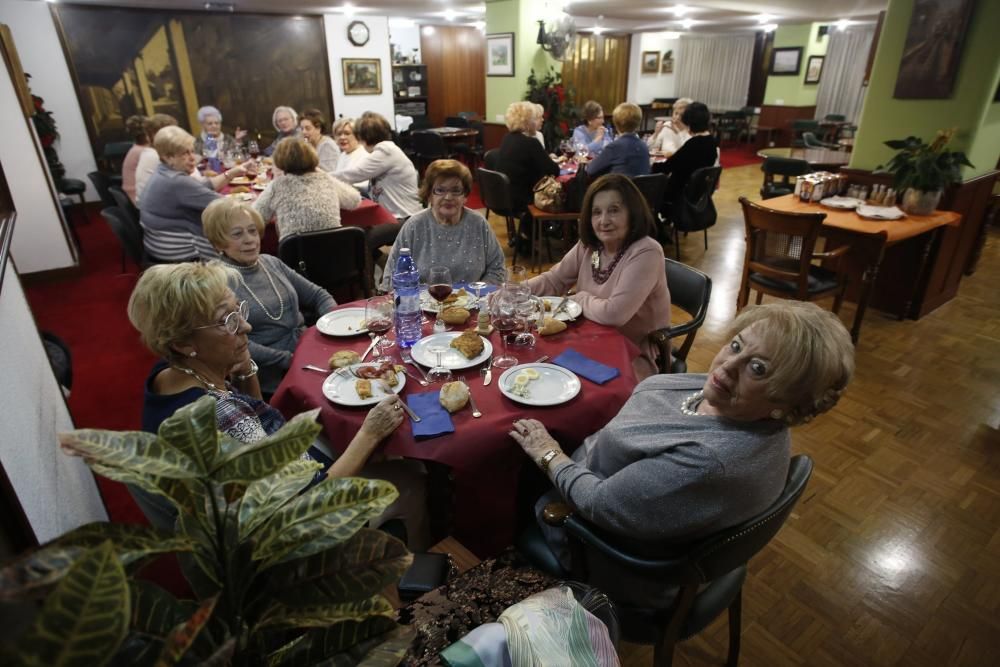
(274, 293)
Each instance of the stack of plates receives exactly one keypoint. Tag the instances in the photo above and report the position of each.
(880, 212)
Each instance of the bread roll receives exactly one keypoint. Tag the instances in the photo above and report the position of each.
(344, 358)
(454, 396)
(552, 326)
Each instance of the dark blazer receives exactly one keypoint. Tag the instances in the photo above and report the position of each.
(524, 161)
(697, 152)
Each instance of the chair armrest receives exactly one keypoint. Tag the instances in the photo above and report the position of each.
(555, 514)
(831, 254)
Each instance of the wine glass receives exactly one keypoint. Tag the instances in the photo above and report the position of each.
(477, 287)
(439, 287)
(439, 373)
(378, 319)
(254, 148)
(503, 315)
(517, 274)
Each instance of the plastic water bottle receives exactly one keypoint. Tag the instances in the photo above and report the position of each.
(406, 285)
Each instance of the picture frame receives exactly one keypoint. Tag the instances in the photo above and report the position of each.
(500, 54)
(814, 68)
(362, 76)
(650, 62)
(786, 61)
(667, 65)
(933, 49)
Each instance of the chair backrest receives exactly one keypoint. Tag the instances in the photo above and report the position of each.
(690, 290)
(456, 121)
(428, 145)
(652, 187)
(780, 244)
(695, 211)
(335, 259)
(101, 183)
(812, 141)
(835, 117)
(479, 127)
(781, 172)
(802, 125)
(491, 158)
(129, 233)
(124, 203)
(494, 190)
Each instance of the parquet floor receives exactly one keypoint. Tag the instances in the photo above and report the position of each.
(892, 556)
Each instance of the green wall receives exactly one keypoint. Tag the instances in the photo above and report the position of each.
(970, 108)
(519, 17)
(790, 89)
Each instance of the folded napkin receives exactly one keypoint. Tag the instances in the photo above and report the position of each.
(434, 419)
(583, 366)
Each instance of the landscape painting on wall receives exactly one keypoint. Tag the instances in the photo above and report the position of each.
(933, 49)
(127, 61)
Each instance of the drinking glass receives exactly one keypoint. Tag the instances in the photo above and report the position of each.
(503, 315)
(517, 274)
(477, 287)
(378, 318)
(439, 287)
(530, 310)
(439, 373)
(254, 148)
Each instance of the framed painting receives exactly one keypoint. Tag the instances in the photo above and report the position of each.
(786, 61)
(650, 62)
(933, 49)
(362, 76)
(667, 65)
(500, 54)
(814, 69)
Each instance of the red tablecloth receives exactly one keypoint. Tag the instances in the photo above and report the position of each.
(485, 462)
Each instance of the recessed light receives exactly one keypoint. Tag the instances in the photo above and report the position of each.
(687, 24)
(449, 15)
(427, 30)
(764, 18)
(842, 24)
(680, 10)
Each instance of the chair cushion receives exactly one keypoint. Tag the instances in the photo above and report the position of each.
(72, 186)
(820, 280)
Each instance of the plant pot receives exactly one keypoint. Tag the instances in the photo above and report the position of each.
(921, 202)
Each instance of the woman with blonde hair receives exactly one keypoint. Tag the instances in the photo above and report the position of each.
(668, 136)
(628, 154)
(275, 294)
(351, 150)
(521, 157)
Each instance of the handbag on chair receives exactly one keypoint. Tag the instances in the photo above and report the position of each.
(549, 195)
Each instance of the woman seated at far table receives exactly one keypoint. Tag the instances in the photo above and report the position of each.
(188, 316)
(447, 233)
(699, 151)
(213, 143)
(628, 154)
(690, 455)
(669, 136)
(275, 294)
(592, 132)
(286, 121)
(302, 198)
(313, 126)
(351, 150)
(617, 267)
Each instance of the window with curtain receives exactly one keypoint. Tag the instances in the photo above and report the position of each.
(715, 69)
(840, 89)
(597, 69)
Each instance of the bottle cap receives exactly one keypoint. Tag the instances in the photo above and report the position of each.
(404, 251)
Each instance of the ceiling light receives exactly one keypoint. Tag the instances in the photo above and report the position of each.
(769, 27)
(427, 30)
(348, 9)
(764, 18)
(480, 26)
(449, 15)
(687, 23)
(680, 10)
(842, 24)
(598, 28)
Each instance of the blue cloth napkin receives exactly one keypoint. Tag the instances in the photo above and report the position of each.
(583, 366)
(434, 419)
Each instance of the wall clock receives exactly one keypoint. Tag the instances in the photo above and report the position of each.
(358, 33)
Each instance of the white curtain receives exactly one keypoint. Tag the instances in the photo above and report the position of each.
(840, 89)
(715, 69)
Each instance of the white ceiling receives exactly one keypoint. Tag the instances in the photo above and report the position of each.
(633, 15)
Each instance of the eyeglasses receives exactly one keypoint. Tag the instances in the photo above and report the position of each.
(231, 322)
(444, 192)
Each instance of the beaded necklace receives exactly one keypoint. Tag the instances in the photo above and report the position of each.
(601, 275)
(267, 274)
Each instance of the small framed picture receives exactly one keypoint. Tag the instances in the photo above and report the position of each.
(362, 76)
(650, 62)
(814, 69)
(500, 54)
(667, 65)
(786, 61)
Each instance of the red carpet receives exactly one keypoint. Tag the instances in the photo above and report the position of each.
(738, 155)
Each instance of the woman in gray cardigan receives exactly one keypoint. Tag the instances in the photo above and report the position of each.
(689, 455)
(274, 293)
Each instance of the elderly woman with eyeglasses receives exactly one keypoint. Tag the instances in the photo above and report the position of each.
(188, 316)
(212, 143)
(447, 233)
(286, 122)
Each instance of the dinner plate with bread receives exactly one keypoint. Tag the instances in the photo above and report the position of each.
(463, 349)
(357, 384)
(570, 311)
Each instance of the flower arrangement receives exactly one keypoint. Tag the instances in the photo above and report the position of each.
(45, 126)
(557, 100)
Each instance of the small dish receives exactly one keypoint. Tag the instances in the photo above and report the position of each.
(343, 322)
(555, 385)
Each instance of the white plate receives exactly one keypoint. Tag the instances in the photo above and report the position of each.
(555, 385)
(880, 212)
(841, 202)
(570, 312)
(258, 186)
(339, 388)
(241, 196)
(343, 322)
(240, 180)
(429, 305)
(450, 358)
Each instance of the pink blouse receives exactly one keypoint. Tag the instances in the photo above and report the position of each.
(635, 299)
(129, 165)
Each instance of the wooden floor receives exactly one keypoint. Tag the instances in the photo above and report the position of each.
(892, 556)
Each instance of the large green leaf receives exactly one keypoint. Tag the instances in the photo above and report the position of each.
(174, 490)
(134, 450)
(319, 645)
(254, 461)
(192, 430)
(35, 571)
(328, 514)
(321, 616)
(360, 567)
(85, 618)
(203, 573)
(180, 638)
(265, 496)
(390, 649)
(155, 611)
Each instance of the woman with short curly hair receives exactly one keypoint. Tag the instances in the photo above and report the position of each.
(521, 157)
(627, 154)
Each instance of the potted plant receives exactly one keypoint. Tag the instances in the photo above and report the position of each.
(922, 171)
(280, 576)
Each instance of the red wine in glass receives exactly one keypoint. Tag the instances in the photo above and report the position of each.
(506, 327)
(439, 292)
(379, 326)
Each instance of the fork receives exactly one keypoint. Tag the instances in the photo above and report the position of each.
(475, 408)
(406, 408)
(407, 356)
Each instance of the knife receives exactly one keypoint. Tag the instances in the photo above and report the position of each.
(375, 341)
(488, 375)
(561, 306)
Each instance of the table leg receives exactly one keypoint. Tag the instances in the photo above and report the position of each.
(867, 282)
(921, 271)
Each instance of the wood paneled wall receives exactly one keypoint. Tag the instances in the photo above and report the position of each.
(598, 69)
(456, 71)
(781, 117)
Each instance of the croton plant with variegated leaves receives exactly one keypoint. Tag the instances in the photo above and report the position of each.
(281, 576)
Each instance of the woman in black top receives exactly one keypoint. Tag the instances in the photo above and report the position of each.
(522, 157)
(699, 151)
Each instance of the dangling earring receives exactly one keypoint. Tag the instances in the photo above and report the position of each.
(192, 353)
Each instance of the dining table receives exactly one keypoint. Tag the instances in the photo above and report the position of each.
(826, 159)
(868, 240)
(483, 462)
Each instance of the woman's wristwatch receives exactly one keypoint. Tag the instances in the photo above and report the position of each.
(253, 371)
(546, 459)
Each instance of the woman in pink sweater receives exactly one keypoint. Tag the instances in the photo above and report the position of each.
(617, 267)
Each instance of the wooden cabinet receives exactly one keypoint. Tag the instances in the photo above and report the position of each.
(409, 90)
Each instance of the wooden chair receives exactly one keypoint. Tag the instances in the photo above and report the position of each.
(779, 255)
(539, 220)
(785, 168)
(335, 259)
(690, 290)
(709, 573)
(800, 126)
